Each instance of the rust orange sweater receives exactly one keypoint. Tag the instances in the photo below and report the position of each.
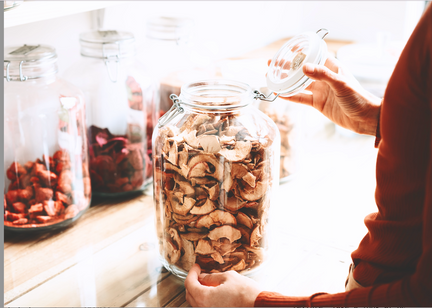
(394, 259)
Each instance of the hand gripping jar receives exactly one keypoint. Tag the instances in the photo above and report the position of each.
(47, 184)
(216, 166)
(118, 93)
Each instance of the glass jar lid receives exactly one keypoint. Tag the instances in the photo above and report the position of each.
(285, 73)
(103, 44)
(29, 62)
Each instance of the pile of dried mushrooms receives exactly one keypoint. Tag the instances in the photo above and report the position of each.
(212, 185)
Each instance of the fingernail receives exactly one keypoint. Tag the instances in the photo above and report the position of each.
(309, 68)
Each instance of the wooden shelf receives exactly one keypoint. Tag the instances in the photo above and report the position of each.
(31, 11)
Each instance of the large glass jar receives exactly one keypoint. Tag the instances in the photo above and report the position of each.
(216, 165)
(118, 92)
(47, 182)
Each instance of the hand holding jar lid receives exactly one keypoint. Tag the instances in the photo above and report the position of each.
(285, 74)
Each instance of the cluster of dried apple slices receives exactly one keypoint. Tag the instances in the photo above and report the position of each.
(212, 179)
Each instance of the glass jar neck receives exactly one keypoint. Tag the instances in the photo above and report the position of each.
(108, 51)
(169, 29)
(216, 95)
(30, 70)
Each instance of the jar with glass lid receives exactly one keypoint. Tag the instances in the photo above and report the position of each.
(47, 184)
(119, 92)
(216, 166)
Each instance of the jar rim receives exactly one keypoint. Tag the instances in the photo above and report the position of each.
(216, 94)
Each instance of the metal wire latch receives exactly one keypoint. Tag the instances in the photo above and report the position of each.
(109, 59)
(9, 77)
(175, 110)
(262, 97)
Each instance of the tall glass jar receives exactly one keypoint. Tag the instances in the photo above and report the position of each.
(119, 92)
(47, 182)
(216, 165)
(166, 52)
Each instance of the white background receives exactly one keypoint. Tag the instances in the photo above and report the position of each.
(230, 28)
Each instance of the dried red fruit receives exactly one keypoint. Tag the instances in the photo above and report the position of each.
(116, 164)
(43, 194)
(21, 221)
(46, 177)
(15, 171)
(19, 207)
(62, 197)
(37, 208)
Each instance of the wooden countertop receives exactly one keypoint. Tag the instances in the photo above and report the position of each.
(109, 257)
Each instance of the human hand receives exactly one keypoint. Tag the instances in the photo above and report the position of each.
(339, 96)
(228, 289)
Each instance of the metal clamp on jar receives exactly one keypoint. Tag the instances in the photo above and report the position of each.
(46, 157)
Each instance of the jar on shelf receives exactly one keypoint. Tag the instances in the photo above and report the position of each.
(216, 167)
(47, 184)
(165, 52)
(119, 93)
(168, 53)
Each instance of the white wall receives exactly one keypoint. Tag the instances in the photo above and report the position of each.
(233, 27)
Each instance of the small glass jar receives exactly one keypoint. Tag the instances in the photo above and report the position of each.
(119, 93)
(216, 165)
(47, 184)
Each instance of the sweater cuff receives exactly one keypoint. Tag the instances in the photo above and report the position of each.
(274, 299)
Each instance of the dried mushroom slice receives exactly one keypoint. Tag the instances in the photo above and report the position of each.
(208, 207)
(217, 257)
(184, 185)
(224, 246)
(209, 143)
(240, 151)
(173, 154)
(217, 218)
(192, 139)
(239, 266)
(253, 193)
(204, 247)
(193, 236)
(234, 204)
(229, 232)
(213, 192)
(208, 159)
(188, 258)
(255, 237)
(244, 219)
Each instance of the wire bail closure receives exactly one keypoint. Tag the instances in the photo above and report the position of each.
(9, 77)
(110, 58)
(175, 110)
(262, 97)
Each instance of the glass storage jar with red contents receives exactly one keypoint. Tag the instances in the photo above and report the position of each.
(119, 92)
(216, 165)
(47, 184)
